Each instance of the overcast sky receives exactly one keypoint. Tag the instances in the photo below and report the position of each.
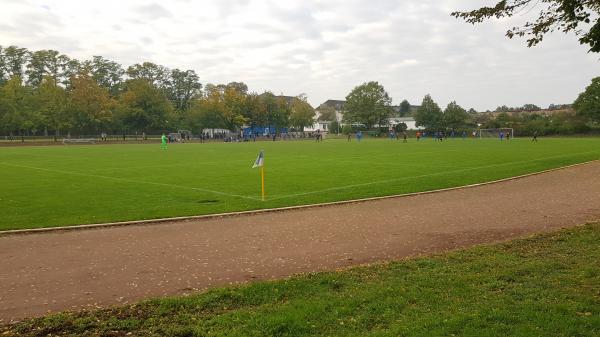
(321, 48)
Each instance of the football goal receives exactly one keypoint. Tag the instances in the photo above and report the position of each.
(495, 133)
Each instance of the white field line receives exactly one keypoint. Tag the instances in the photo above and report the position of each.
(189, 164)
(132, 181)
(422, 176)
(396, 164)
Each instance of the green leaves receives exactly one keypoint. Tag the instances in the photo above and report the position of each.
(562, 15)
(429, 114)
(588, 102)
(368, 104)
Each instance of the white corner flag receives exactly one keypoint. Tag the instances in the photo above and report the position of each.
(260, 162)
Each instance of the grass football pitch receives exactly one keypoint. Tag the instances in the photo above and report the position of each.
(67, 185)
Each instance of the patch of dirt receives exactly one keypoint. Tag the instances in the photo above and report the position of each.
(73, 270)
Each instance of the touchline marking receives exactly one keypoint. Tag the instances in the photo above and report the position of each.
(129, 168)
(393, 164)
(422, 176)
(132, 181)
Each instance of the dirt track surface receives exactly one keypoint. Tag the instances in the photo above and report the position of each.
(51, 272)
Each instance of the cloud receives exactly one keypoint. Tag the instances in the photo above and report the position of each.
(321, 47)
(153, 11)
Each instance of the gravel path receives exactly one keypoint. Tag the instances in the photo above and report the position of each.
(71, 270)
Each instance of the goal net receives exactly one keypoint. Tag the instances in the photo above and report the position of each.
(496, 133)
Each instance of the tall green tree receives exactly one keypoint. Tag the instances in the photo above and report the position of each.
(143, 107)
(14, 60)
(255, 111)
(579, 16)
(53, 106)
(3, 70)
(234, 103)
(404, 108)
(429, 114)
(368, 104)
(157, 75)
(327, 114)
(280, 117)
(455, 117)
(49, 63)
(182, 87)
(588, 102)
(15, 107)
(239, 87)
(90, 105)
(108, 74)
(302, 114)
(270, 106)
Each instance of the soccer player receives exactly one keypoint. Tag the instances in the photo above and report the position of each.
(501, 136)
(404, 137)
(163, 142)
(534, 136)
(507, 136)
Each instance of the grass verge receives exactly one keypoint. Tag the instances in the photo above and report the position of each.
(547, 285)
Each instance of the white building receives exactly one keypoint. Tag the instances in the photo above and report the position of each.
(323, 126)
(338, 107)
(409, 121)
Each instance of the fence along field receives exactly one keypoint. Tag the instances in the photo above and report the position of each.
(68, 185)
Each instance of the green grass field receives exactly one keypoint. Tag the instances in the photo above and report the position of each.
(67, 185)
(548, 285)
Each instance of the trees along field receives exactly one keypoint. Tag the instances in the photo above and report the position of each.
(404, 108)
(455, 117)
(429, 115)
(302, 114)
(45, 92)
(143, 107)
(588, 102)
(53, 105)
(368, 104)
(90, 105)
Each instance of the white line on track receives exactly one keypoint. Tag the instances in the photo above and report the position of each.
(132, 181)
(423, 176)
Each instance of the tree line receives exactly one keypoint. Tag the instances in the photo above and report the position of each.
(368, 106)
(45, 92)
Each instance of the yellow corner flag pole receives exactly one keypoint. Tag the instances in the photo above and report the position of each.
(260, 162)
(262, 178)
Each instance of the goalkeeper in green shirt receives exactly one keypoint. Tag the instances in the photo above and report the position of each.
(163, 144)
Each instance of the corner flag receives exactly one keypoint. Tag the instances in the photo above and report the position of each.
(260, 162)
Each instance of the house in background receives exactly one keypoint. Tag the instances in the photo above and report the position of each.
(338, 107)
(323, 126)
